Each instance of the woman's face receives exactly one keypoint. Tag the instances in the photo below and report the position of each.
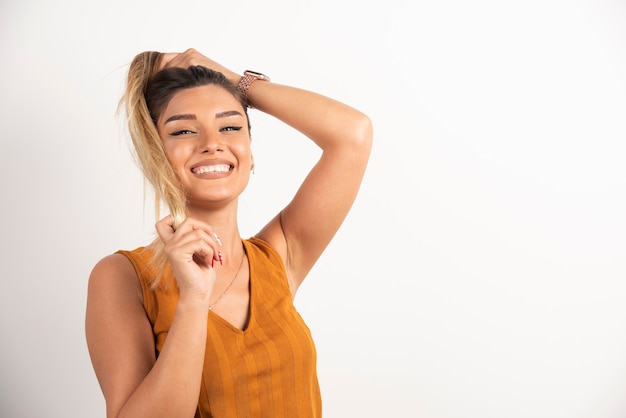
(207, 142)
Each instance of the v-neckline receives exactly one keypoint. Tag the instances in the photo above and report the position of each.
(251, 300)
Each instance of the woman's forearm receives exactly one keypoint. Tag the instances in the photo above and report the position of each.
(172, 387)
(328, 122)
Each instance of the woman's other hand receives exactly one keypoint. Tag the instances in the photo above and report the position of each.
(192, 251)
(192, 57)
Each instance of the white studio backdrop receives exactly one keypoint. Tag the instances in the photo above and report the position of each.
(482, 271)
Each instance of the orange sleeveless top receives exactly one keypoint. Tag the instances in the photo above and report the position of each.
(268, 369)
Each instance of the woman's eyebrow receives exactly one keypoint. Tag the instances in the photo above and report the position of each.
(180, 117)
(228, 113)
(189, 116)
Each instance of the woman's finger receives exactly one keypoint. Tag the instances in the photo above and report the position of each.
(165, 228)
(192, 237)
(166, 58)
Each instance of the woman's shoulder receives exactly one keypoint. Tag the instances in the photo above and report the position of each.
(113, 264)
(122, 261)
(263, 256)
(256, 246)
(115, 273)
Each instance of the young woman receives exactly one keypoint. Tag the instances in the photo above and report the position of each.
(201, 322)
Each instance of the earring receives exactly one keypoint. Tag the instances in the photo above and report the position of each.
(252, 168)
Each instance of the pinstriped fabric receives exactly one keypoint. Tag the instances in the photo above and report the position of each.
(267, 370)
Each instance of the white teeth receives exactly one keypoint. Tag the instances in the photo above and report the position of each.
(219, 168)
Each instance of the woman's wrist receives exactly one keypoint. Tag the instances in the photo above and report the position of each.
(249, 78)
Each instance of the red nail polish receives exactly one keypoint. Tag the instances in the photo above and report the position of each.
(219, 255)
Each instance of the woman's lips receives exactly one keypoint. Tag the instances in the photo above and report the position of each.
(212, 169)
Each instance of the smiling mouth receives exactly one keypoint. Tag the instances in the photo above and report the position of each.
(211, 169)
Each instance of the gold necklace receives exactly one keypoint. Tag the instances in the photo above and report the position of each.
(230, 284)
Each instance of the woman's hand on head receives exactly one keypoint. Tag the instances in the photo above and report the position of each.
(192, 57)
(192, 250)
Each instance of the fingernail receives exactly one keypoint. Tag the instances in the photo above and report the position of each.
(212, 263)
(219, 255)
(219, 241)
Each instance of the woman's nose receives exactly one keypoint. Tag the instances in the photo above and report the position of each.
(209, 143)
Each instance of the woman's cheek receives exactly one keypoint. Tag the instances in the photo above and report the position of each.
(176, 155)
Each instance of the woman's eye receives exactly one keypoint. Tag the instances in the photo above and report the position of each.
(181, 132)
(231, 128)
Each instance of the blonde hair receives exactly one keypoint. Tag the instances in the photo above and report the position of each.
(149, 149)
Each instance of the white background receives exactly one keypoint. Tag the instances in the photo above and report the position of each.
(482, 270)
